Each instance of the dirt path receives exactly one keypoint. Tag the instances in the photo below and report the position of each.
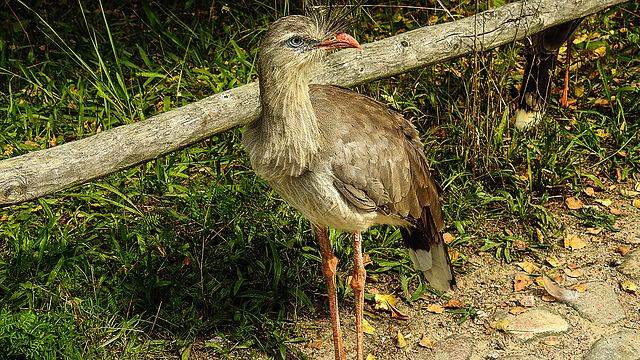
(604, 323)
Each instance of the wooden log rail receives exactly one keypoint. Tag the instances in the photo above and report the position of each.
(47, 171)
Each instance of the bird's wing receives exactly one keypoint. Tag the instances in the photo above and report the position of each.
(378, 159)
(550, 40)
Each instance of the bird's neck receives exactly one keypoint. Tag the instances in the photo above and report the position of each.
(288, 128)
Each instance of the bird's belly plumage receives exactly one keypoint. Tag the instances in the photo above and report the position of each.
(315, 196)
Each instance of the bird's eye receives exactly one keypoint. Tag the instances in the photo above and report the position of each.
(295, 42)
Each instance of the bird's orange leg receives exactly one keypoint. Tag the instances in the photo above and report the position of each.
(357, 284)
(329, 269)
(563, 100)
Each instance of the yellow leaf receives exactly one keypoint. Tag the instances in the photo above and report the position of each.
(384, 302)
(387, 302)
(553, 261)
(540, 281)
(573, 242)
(528, 267)
(517, 310)
(636, 203)
(370, 357)
(629, 287)
(604, 202)
(552, 341)
(579, 288)
(578, 90)
(589, 191)
(629, 193)
(599, 132)
(367, 328)
(426, 341)
(500, 325)
(435, 308)
(400, 341)
(601, 51)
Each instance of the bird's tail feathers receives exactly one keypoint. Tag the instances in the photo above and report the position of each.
(430, 256)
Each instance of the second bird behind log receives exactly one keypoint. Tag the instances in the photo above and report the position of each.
(342, 159)
(542, 57)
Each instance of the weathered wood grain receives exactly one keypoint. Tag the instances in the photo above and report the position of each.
(47, 171)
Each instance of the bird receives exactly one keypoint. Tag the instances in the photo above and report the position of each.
(344, 160)
(542, 56)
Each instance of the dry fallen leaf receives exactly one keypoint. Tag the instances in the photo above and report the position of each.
(453, 303)
(573, 273)
(435, 308)
(629, 193)
(370, 357)
(589, 191)
(388, 302)
(548, 298)
(500, 325)
(604, 202)
(579, 288)
(448, 238)
(367, 328)
(551, 341)
(623, 249)
(517, 310)
(384, 302)
(427, 341)
(636, 203)
(316, 344)
(553, 261)
(366, 259)
(400, 341)
(573, 203)
(601, 51)
(453, 255)
(629, 287)
(528, 267)
(520, 282)
(573, 242)
(615, 211)
(539, 281)
(592, 231)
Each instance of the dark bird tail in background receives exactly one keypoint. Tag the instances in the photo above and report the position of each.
(429, 253)
(542, 56)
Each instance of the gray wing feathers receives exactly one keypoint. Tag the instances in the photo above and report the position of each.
(389, 168)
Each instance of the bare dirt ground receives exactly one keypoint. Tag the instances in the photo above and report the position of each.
(488, 286)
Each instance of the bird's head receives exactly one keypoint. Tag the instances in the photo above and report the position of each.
(292, 44)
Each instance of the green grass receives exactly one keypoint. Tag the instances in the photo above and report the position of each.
(159, 260)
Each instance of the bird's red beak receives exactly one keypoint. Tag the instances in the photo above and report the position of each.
(341, 41)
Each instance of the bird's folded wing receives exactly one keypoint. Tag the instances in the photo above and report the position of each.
(378, 161)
